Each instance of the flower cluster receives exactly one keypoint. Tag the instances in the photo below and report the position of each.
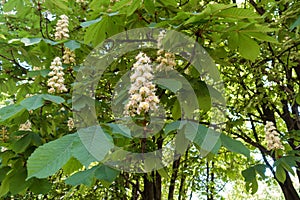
(62, 30)
(272, 137)
(69, 56)
(56, 82)
(166, 61)
(26, 126)
(142, 92)
(70, 124)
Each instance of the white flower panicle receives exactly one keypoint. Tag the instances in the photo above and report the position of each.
(62, 28)
(71, 124)
(166, 62)
(69, 56)
(272, 137)
(26, 126)
(142, 92)
(56, 82)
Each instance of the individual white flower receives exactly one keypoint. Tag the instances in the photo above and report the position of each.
(69, 56)
(81, 2)
(26, 126)
(142, 91)
(3, 149)
(272, 137)
(56, 82)
(62, 28)
(70, 124)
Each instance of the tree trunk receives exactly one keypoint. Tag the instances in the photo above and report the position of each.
(157, 186)
(288, 189)
(182, 180)
(148, 193)
(176, 164)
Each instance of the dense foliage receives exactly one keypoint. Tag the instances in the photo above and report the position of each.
(54, 145)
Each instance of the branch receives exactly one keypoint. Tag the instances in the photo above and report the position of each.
(260, 10)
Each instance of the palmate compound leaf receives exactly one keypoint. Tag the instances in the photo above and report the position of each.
(49, 158)
(87, 145)
(209, 140)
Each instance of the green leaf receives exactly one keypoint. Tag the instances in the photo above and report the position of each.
(22, 144)
(250, 179)
(56, 5)
(163, 172)
(17, 182)
(260, 169)
(238, 13)
(295, 24)
(170, 84)
(80, 152)
(51, 42)
(40, 186)
(49, 158)
(91, 22)
(85, 177)
(120, 129)
(298, 98)
(106, 174)
(135, 4)
(249, 174)
(3, 172)
(52, 98)
(262, 37)
(71, 166)
(280, 173)
(10, 111)
(219, 7)
(98, 32)
(234, 145)
(205, 139)
(96, 141)
(172, 127)
(248, 48)
(31, 41)
(4, 187)
(32, 103)
(176, 110)
(149, 6)
(233, 40)
(72, 45)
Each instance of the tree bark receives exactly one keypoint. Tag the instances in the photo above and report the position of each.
(288, 189)
(176, 164)
(148, 193)
(157, 186)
